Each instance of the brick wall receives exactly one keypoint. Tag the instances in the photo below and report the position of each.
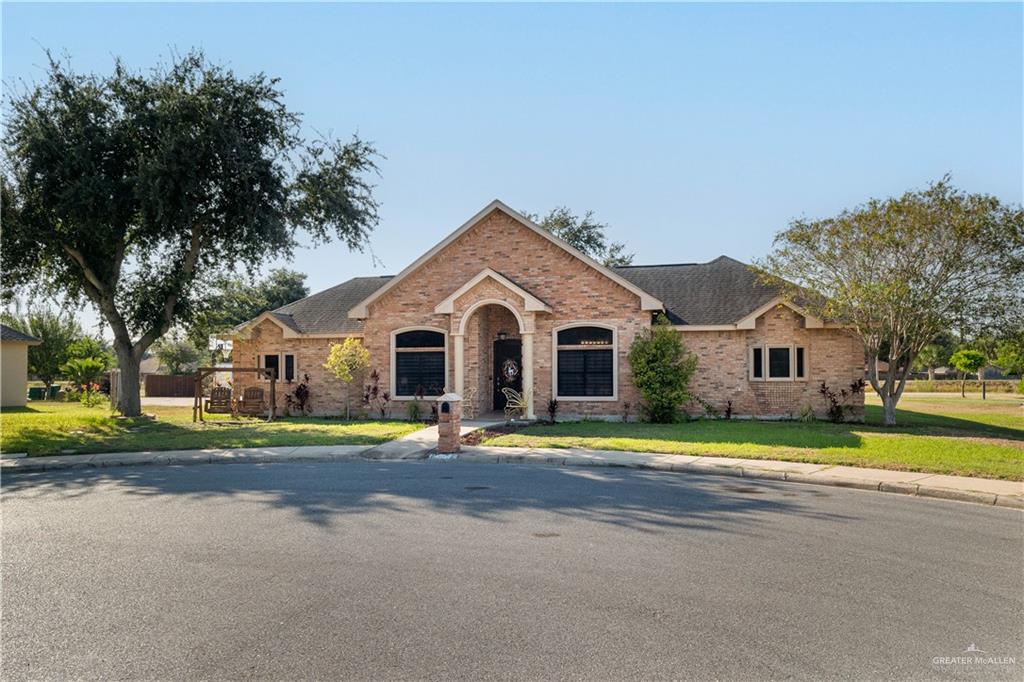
(574, 290)
(832, 356)
(576, 293)
(327, 393)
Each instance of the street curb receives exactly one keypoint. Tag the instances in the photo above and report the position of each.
(379, 453)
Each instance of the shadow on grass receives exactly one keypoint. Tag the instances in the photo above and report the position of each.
(791, 434)
(924, 423)
(329, 494)
(104, 434)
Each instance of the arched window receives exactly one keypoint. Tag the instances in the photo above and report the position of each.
(585, 363)
(419, 363)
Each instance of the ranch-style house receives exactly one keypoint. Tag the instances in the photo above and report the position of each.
(500, 302)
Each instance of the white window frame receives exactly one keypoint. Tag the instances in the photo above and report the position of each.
(393, 352)
(615, 362)
(765, 365)
(261, 363)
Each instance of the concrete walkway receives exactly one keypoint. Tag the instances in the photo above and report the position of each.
(420, 444)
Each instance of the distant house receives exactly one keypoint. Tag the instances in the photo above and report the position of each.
(14, 366)
(502, 303)
(149, 365)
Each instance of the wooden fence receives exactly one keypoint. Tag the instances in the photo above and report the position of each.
(170, 386)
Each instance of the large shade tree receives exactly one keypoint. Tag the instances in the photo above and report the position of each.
(125, 188)
(899, 271)
(584, 233)
(232, 299)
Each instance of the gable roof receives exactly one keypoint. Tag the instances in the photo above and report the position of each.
(322, 313)
(647, 302)
(12, 334)
(721, 292)
(530, 302)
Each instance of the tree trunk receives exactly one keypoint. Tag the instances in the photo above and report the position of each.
(889, 402)
(963, 384)
(129, 402)
(47, 385)
(931, 374)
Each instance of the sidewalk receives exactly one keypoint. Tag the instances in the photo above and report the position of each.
(420, 444)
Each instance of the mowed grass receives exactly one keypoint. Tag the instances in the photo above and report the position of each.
(47, 428)
(935, 434)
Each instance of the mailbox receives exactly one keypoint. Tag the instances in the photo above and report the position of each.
(449, 423)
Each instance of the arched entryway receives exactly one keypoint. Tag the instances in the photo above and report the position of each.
(493, 350)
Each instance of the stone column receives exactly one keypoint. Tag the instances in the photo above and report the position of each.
(528, 372)
(459, 344)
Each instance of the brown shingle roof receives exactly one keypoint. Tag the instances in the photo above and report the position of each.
(722, 291)
(327, 311)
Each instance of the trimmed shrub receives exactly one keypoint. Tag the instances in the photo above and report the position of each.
(662, 369)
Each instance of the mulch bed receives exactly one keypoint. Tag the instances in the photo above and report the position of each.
(480, 435)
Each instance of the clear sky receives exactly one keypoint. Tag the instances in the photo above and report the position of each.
(693, 130)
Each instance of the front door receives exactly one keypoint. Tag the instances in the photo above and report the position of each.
(508, 369)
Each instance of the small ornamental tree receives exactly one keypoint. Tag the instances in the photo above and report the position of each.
(348, 361)
(967, 360)
(92, 347)
(83, 372)
(662, 369)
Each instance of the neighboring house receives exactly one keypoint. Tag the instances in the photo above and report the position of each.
(14, 366)
(501, 302)
(148, 365)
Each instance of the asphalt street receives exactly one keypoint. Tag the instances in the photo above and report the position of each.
(445, 570)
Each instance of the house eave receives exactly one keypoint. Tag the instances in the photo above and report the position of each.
(647, 302)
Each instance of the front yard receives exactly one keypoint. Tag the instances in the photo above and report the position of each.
(48, 428)
(936, 434)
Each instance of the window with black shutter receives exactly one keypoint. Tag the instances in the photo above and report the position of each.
(586, 363)
(419, 363)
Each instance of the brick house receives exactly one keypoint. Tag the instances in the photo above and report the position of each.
(501, 302)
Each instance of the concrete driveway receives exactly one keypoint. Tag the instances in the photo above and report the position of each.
(385, 570)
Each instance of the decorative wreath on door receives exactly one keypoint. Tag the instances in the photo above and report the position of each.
(509, 370)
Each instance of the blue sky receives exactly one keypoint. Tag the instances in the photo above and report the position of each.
(693, 130)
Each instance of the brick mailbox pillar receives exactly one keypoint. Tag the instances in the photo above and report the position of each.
(449, 422)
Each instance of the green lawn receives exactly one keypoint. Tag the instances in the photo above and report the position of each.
(47, 428)
(937, 434)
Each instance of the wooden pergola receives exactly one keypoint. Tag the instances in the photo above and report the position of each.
(203, 372)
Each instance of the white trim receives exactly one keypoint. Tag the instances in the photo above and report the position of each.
(261, 363)
(768, 348)
(491, 301)
(391, 352)
(704, 327)
(750, 321)
(750, 361)
(765, 371)
(244, 330)
(530, 302)
(647, 302)
(615, 363)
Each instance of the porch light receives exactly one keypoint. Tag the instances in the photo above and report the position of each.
(502, 336)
